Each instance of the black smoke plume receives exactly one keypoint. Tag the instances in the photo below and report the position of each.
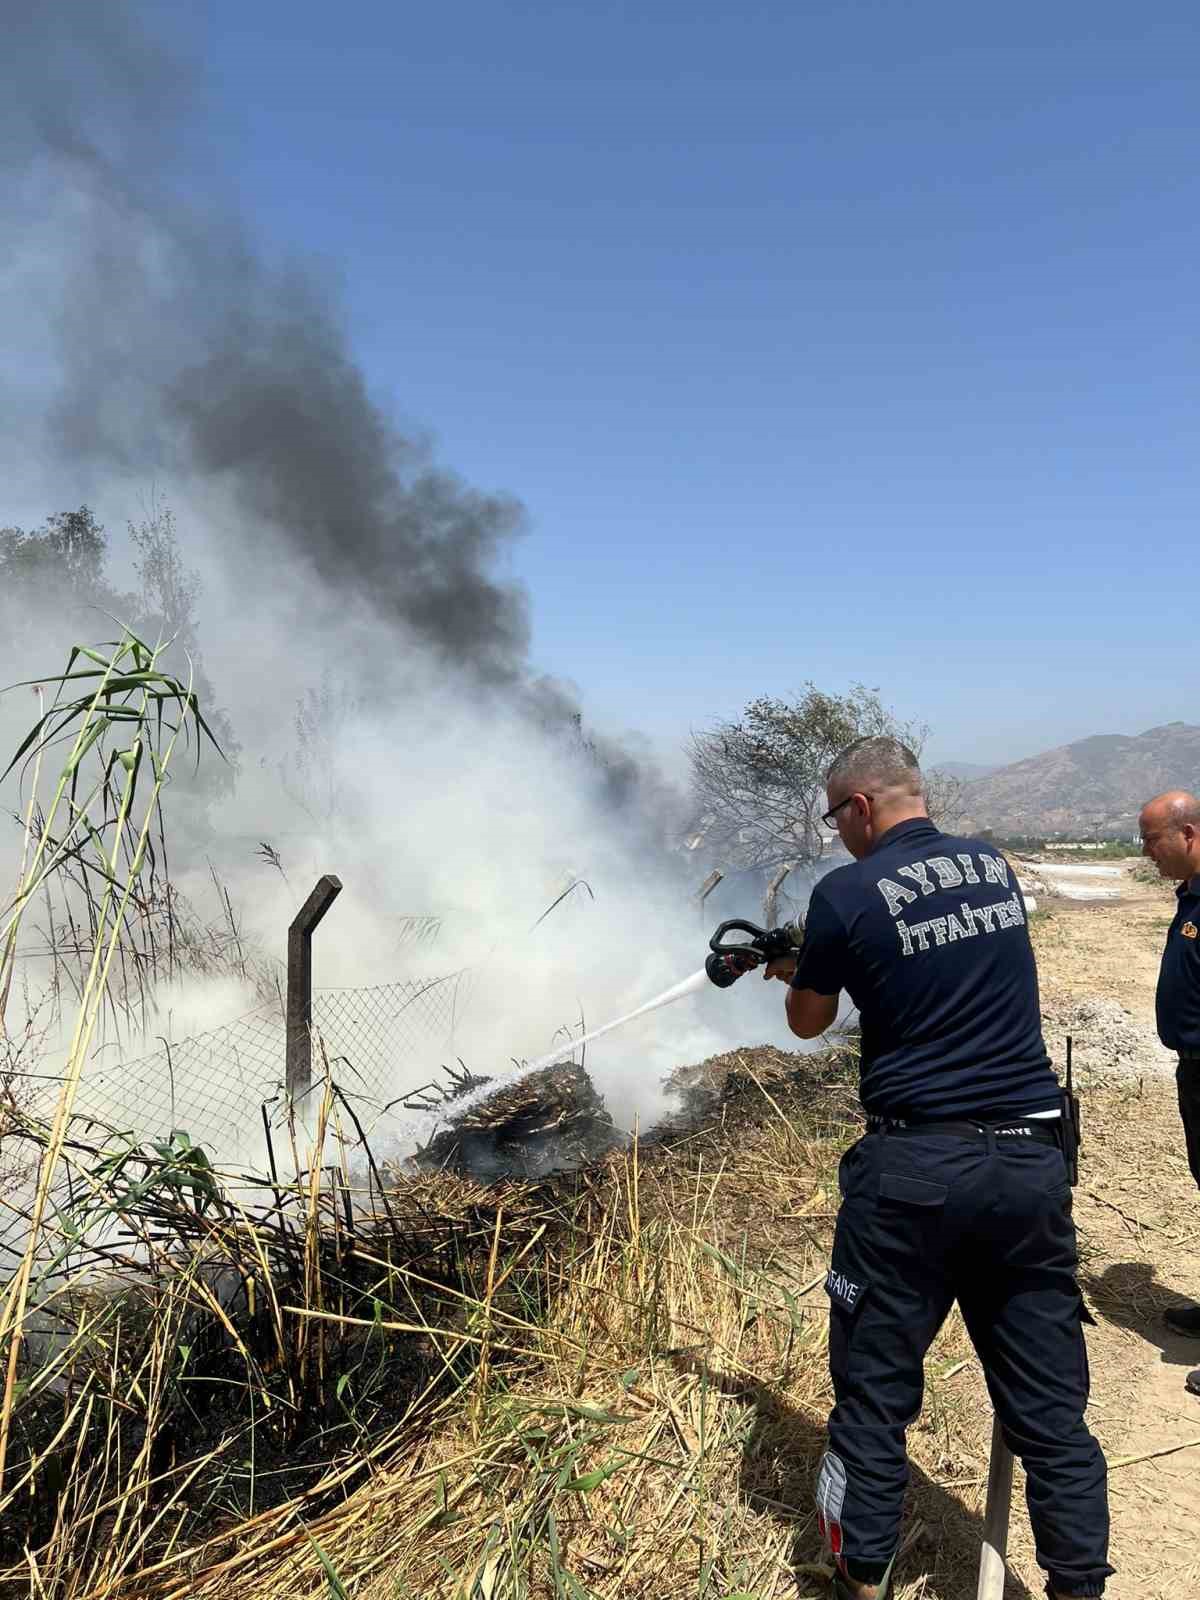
(182, 352)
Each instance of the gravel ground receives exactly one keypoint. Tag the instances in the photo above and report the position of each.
(1108, 1041)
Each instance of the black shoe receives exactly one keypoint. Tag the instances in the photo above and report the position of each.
(1192, 1382)
(1183, 1319)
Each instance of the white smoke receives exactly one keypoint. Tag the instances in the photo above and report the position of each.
(156, 352)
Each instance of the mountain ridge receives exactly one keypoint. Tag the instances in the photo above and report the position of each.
(1091, 788)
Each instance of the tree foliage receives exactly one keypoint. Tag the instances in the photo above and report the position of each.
(166, 608)
(58, 568)
(55, 585)
(169, 591)
(315, 774)
(758, 783)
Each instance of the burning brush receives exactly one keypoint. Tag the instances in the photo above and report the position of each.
(551, 1120)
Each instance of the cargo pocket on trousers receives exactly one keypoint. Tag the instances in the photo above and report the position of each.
(911, 1211)
(911, 1191)
(846, 1295)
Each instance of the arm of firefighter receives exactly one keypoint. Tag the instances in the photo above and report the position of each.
(810, 1013)
(812, 998)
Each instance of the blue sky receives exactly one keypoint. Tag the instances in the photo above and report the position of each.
(830, 341)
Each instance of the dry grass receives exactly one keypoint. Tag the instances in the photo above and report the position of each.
(608, 1385)
(199, 1351)
(612, 1385)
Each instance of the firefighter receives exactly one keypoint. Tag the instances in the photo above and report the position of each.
(958, 1190)
(1170, 829)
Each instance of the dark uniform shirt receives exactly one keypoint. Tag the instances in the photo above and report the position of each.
(1177, 1001)
(927, 935)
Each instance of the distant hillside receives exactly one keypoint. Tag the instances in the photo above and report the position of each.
(966, 770)
(1094, 787)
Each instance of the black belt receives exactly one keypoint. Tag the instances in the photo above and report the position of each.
(1042, 1132)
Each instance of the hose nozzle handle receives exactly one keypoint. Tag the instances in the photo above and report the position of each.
(720, 945)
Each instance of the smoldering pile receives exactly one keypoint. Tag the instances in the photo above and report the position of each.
(548, 1121)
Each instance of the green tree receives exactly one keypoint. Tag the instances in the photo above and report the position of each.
(758, 782)
(58, 571)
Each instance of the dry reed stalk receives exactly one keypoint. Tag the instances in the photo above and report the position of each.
(12, 1313)
(8, 956)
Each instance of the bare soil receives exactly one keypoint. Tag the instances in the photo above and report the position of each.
(1138, 1215)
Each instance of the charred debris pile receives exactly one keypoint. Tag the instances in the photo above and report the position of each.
(545, 1122)
(553, 1120)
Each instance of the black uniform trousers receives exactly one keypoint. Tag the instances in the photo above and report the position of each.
(928, 1218)
(1187, 1082)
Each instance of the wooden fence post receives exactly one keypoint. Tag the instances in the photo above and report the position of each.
(995, 1519)
(773, 889)
(299, 983)
(707, 887)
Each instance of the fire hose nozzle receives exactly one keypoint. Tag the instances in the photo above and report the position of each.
(730, 959)
(725, 970)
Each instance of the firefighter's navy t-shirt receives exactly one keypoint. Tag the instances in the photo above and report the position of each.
(1177, 1001)
(927, 935)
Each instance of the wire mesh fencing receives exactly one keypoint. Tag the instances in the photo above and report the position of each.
(373, 1037)
(204, 1084)
(213, 1084)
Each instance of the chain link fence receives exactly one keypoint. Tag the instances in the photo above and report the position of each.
(374, 1038)
(213, 1084)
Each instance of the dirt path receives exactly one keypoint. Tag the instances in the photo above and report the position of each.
(1108, 947)
(1139, 1226)
(1139, 1223)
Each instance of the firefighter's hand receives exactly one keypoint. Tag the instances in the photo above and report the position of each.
(782, 967)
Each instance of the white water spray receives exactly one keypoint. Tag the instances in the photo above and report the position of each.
(688, 986)
(424, 1124)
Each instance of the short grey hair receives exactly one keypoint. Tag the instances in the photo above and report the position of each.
(874, 763)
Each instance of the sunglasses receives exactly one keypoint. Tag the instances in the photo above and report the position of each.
(830, 817)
